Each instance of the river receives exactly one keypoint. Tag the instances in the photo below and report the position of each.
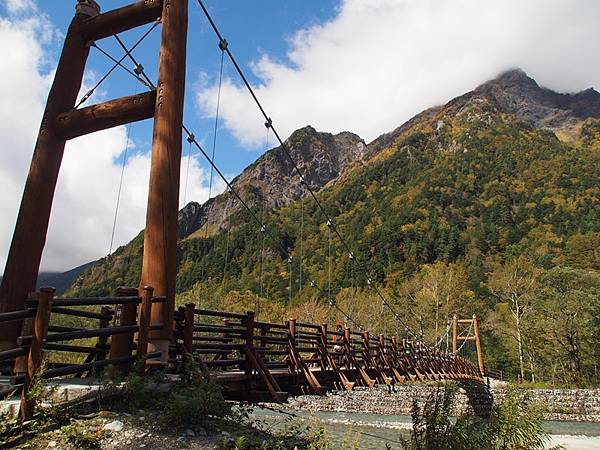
(375, 430)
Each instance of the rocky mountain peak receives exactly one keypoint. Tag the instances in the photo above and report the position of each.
(517, 93)
(272, 179)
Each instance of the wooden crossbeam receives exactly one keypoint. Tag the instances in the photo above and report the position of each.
(111, 113)
(121, 19)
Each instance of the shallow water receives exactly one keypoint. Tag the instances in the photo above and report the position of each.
(376, 430)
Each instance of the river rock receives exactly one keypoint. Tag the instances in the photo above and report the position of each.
(115, 426)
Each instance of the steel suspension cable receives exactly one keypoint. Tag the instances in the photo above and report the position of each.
(123, 164)
(226, 256)
(262, 227)
(137, 65)
(251, 212)
(465, 340)
(284, 148)
(192, 139)
(290, 269)
(187, 171)
(301, 239)
(214, 143)
(117, 64)
(329, 258)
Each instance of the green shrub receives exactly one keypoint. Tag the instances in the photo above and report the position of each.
(191, 405)
(516, 424)
(82, 437)
(433, 428)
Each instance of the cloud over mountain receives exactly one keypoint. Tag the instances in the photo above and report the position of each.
(377, 63)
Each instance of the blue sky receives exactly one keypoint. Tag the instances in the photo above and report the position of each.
(364, 66)
(252, 28)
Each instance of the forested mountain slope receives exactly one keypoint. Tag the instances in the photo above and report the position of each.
(488, 204)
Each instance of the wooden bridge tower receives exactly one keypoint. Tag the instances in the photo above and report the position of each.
(473, 324)
(62, 122)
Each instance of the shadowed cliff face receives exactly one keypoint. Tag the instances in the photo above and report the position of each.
(272, 180)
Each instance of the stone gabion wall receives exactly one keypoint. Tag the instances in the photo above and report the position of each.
(562, 404)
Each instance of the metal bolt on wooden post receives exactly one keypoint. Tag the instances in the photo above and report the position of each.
(36, 356)
(122, 344)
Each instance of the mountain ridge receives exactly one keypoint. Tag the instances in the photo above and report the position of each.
(326, 159)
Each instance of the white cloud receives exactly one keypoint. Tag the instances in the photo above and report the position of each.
(378, 63)
(19, 6)
(83, 211)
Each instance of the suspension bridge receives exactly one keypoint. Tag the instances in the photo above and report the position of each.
(141, 329)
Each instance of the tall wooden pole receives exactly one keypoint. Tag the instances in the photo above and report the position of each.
(160, 235)
(29, 238)
(478, 345)
(454, 334)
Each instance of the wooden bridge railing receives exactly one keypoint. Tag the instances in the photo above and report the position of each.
(47, 349)
(254, 360)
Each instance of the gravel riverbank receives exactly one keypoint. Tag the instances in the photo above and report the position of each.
(581, 405)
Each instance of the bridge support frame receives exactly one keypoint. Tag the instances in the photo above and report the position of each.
(473, 322)
(29, 238)
(160, 235)
(61, 123)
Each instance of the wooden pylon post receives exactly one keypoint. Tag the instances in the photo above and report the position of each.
(29, 238)
(144, 325)
(454, 334)
(126, 314)
(478, 345)
(36, 350)
(160, 235)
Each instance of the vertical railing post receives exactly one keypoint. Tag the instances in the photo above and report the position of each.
(454, 334)
(347, 347)
(292, 344)
(36, 356)
(323, 345)
(126, 314)
(188, 329)
(478, 345)
(20, 365)
(102, 343)
(366, 349)
(144, 326)
(226, 340)
(249, 340)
